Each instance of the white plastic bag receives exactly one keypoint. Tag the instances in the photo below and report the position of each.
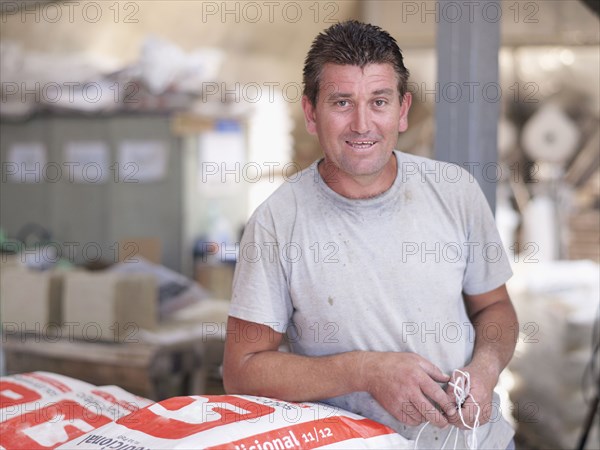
(47, 410)
(242, 423)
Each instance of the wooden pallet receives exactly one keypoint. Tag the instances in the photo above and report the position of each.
(157, 366)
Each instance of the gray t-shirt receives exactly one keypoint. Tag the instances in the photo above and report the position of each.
(380, 274)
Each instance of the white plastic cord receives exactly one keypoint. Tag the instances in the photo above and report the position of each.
(461, 387)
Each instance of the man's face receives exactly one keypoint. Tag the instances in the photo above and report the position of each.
(357, 117)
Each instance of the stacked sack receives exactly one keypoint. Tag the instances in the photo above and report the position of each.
(42, 410)
(240, 422)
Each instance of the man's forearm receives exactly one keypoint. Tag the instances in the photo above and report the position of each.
(496, 333)
(297, 378)
(405, 384)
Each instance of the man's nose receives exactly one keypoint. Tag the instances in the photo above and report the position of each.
(360, 120)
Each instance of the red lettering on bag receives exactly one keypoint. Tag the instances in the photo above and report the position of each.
(311, 434)
(180, 417)
(48, 427)
(12, 394)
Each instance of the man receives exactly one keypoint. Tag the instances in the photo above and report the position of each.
(376, 263)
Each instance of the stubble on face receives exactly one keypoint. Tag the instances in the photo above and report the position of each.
(357, 119)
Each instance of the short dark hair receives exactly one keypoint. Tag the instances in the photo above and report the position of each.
(352, 43)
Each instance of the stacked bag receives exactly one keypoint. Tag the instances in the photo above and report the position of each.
(41, 410)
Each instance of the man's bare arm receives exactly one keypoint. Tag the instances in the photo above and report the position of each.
(403, 383)
(496, 332)
(255, 366)
(496, 329)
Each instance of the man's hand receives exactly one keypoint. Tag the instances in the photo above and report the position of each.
(482, 384)
(406, 385)
(491, 353)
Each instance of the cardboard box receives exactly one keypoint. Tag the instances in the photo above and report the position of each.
(130, 249)
(108, 306)
(30, 301)
(218, 279)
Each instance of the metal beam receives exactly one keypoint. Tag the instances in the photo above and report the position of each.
(468, 102)
(594, 5)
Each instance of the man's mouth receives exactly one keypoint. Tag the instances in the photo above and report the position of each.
(361, 145)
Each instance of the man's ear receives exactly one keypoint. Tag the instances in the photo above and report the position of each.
(406, 102)
(309, 115)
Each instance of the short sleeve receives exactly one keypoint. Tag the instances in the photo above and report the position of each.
(487, 266)
(260, 287)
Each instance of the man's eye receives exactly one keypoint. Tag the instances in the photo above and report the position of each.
(380, 102)
(342, 103)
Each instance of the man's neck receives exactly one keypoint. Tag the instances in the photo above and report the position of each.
(359, 187)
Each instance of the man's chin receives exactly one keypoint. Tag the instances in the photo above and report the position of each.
(366, 168)
(364, 171)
